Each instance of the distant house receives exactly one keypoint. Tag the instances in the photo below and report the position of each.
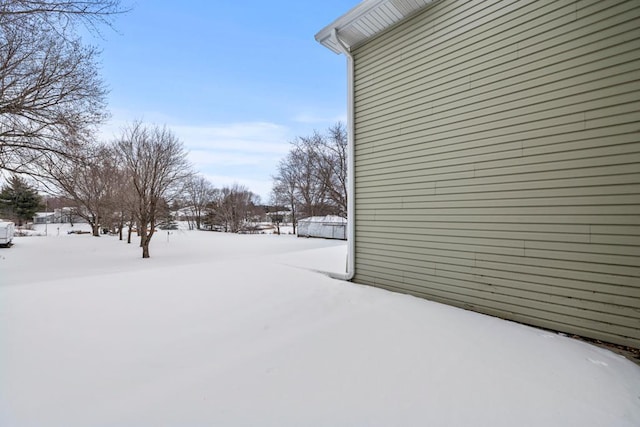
(284, 216)
(497, 156)
(61, 215)
(44, 218)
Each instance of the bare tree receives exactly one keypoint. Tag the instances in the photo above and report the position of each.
(233, 208)
(312, 179)
(334, 167)
(51, 96)
(124, 202)
(285, 184)
(91, 181)
(199, 193)
(155, 161)
(60, 14)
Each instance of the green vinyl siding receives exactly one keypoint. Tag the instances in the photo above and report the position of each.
(497, 152)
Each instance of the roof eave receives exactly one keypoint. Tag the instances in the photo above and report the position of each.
(366, 20)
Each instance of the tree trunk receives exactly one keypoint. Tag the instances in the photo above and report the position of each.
(145, 238)
(142, 232)
(145, 248)
(95, 229)
(294, 220)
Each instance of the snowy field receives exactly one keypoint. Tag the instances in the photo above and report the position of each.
(239, 330)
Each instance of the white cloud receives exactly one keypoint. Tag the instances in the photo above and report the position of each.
(324, 120)
(256, 137)
(246, 153)
(224, 158)
(261, 187)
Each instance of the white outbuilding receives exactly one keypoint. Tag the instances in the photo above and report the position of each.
(327, 227)
(7, 230)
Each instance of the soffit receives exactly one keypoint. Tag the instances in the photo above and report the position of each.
(366, 20)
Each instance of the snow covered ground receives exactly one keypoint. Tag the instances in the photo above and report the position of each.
(237, 330)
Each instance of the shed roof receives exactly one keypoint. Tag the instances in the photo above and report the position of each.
(366, 20)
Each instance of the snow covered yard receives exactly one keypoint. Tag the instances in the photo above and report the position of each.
(237, 330)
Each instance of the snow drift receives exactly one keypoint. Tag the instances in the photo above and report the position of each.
(235, 330)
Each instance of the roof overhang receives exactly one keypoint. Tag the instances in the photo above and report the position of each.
(366, 20)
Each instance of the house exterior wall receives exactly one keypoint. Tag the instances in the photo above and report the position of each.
(497, 153)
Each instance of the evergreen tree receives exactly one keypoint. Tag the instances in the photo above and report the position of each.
(18, 200)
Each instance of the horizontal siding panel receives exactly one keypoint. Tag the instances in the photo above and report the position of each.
(437, 30)
(517, 115)
(604, 21)
(614, 184)
(464, 92)
(628, 275)
(439, 42)
(399, 211)
(461, 243)
(603, 173)
(400, 255)
(482, 64)
(384, 217)
(626, 308)
(528, 232)
(624, 204)
(548, 140)
(623, 296)
(560, 168)
(622, 131)
(625, 313)
(558, 272)
(450, 230)
(614, 255)
(617, 254)
(615, 230)
(571, 123)
(582, 159)
(579, 201)
(498, 161)
(574, 120)
(441, 56)
(628, 264)
(610, 101)
(524, 229)
(536, 189)
(629, 253)
(507, 158)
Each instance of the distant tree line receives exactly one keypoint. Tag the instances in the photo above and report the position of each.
(312, 179)
(134, 184)
(230, 209)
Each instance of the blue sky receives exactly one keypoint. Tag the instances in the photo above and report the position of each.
(235, 80)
